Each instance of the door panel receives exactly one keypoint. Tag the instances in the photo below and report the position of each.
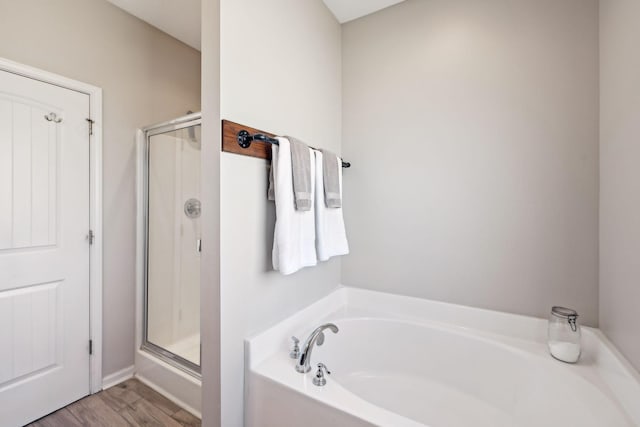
(44, 251)
(6, 174)
(30, 325)
(29, 180)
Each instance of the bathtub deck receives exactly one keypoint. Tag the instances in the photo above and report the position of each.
(402, 361)
(130, 403)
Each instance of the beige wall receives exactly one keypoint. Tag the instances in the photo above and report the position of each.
(146, 77)
(280, 72)
(620, 174)
(473, 130)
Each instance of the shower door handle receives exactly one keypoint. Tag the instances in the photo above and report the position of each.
(199, 245)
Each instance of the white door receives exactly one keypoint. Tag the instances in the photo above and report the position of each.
(44, 250)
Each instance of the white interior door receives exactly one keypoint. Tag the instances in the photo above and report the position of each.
(44, 249)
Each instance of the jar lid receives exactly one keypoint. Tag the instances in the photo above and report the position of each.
(563, 312)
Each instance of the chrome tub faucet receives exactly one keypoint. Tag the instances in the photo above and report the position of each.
(316, 337)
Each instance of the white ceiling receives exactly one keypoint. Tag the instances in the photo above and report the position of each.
(181, 18)
(178, 18)
(348, 10)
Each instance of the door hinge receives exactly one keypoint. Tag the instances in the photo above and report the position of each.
(91, 237)
(90, 346)
(91, 122)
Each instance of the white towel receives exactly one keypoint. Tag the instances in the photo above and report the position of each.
(331, 237)
(294, 236)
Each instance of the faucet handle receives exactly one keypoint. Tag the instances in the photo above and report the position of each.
(322, 366)
(319, 379)
(295, 351)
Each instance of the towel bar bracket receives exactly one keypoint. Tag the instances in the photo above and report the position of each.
(244, 139)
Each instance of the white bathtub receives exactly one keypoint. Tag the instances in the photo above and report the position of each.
(400, 361)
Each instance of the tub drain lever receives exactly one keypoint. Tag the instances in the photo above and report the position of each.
(319, 379)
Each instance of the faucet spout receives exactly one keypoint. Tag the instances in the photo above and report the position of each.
(316, 337)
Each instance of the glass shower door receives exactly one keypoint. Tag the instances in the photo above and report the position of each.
(172, 292)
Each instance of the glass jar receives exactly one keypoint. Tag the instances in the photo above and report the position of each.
(564, 334)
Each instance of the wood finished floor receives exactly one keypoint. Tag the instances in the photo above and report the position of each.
(130, 403)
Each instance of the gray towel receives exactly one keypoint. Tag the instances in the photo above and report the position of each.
(301, 169)
(331, 165)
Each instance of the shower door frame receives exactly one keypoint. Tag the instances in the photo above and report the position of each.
(161, 353)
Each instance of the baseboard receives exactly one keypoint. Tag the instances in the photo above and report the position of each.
(118, 377)
(169, 396)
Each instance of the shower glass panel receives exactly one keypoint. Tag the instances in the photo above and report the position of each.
(172, 292)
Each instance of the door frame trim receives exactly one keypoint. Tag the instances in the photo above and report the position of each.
(95, 201)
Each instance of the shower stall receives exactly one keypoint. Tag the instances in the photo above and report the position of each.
(168, 356)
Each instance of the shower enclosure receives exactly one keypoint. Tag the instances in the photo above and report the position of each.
(169, 257)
